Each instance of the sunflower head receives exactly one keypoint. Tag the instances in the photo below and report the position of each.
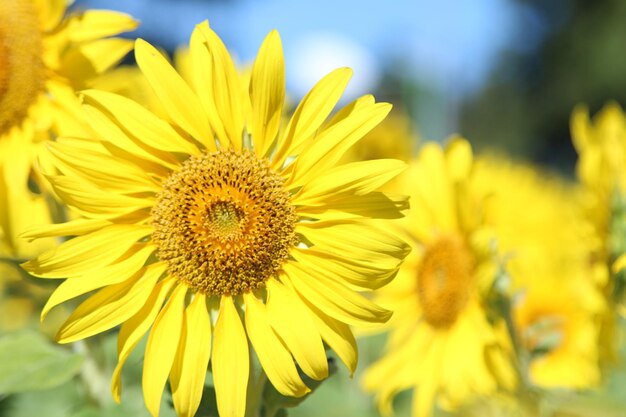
(22, 70)
(224, 223)
(220, 225)
(42, 52)
(440, 335)
(444, 280)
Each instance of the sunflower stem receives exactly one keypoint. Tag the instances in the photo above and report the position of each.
(91, 374)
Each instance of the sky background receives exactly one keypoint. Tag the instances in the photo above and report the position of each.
(448, 46)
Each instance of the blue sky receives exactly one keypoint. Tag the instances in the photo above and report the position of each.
(447, 41)
(448, 47)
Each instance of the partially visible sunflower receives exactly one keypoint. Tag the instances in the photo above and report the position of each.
(601, 146)
(44, 56)
(224, 212)
(441, 344)
(557, 326)
(540, 230)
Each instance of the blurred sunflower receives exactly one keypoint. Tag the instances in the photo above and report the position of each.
(547, 245)
(221, 215)
(557, 326)
(44, 55)
(441, 342)
(601, 146)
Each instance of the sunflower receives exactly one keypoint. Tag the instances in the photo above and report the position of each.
(556, 324)
(223, 213)
(44, 56)
(547, 245)
(601, 145)
(441, 343)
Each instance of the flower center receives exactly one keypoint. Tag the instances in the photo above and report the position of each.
(224, 223)
(444, 280)
(21, 66)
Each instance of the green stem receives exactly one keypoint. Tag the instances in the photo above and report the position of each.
(94, 380)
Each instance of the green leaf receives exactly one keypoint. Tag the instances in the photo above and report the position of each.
(28, 362)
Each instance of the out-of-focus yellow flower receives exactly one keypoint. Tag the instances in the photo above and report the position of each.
(557, 326)
(395, 138)
(441, 342)
(601, 146)
(223, 212)
(542, 233)
(44, 56)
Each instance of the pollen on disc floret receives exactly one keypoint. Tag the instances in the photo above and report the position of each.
(444, 279)
(224, 222)
(22, 73)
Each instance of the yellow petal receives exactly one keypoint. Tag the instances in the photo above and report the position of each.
(228, 94)
(86, 61)
(192, 360)
(459, 158)
(93, 202)
(275, 359)
(295, 326)
(110, 306)
(101, 277)
(134, 328)
(161, 349)
(334, 298)
(359, 178)
(311, 113)
(424, 396)
(358, 274)
(76, 227)
(202, 80)
(338, 336)
(106, 129)
(88, 252)
(580, 126)
(355, 237)
(51, 12)
(267, 93)
(333, 142)
(230, 363)
(179, 101)
(141, 123)
(437, 193)
(96, 24)
(350, 109)
(104, 170)
(619, 264)
(376, 205)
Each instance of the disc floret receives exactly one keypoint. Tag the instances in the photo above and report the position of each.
(224, 222)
